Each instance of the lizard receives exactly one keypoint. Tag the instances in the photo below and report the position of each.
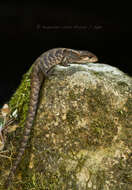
(40, 70)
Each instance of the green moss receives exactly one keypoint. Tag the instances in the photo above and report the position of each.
(71, 117)
(49, 181)
(129, 106)
(122, 84)
(102, 132)
(98, 74)
(72, 95)
(20, 99)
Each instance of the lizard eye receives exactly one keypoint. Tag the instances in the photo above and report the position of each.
(90, 56)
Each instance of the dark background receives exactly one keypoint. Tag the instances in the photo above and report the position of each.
(29, 29)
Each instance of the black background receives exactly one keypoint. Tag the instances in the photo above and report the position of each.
(29, 29)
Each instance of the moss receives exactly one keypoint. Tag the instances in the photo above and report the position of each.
(122, 84)
(98, 74)
(72, 95)
(20, 99)
(102, 132)
(71, 117)
(129, 106)
(122, 172)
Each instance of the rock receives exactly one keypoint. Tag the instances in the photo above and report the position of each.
(83, 130)
(82, 137)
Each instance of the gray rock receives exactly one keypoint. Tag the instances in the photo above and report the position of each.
(83, 130)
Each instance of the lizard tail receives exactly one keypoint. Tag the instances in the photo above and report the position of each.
(36, 80)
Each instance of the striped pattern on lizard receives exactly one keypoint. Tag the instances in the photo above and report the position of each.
(40, 69)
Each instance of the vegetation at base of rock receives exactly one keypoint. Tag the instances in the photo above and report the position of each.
(20, 99)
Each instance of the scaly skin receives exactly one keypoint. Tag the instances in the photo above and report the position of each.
(40, 70)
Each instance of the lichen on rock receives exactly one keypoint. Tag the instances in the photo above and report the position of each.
(82, 137)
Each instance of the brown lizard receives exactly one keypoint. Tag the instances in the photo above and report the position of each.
(40, 69)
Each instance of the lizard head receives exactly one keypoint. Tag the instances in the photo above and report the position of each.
(80, 56)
